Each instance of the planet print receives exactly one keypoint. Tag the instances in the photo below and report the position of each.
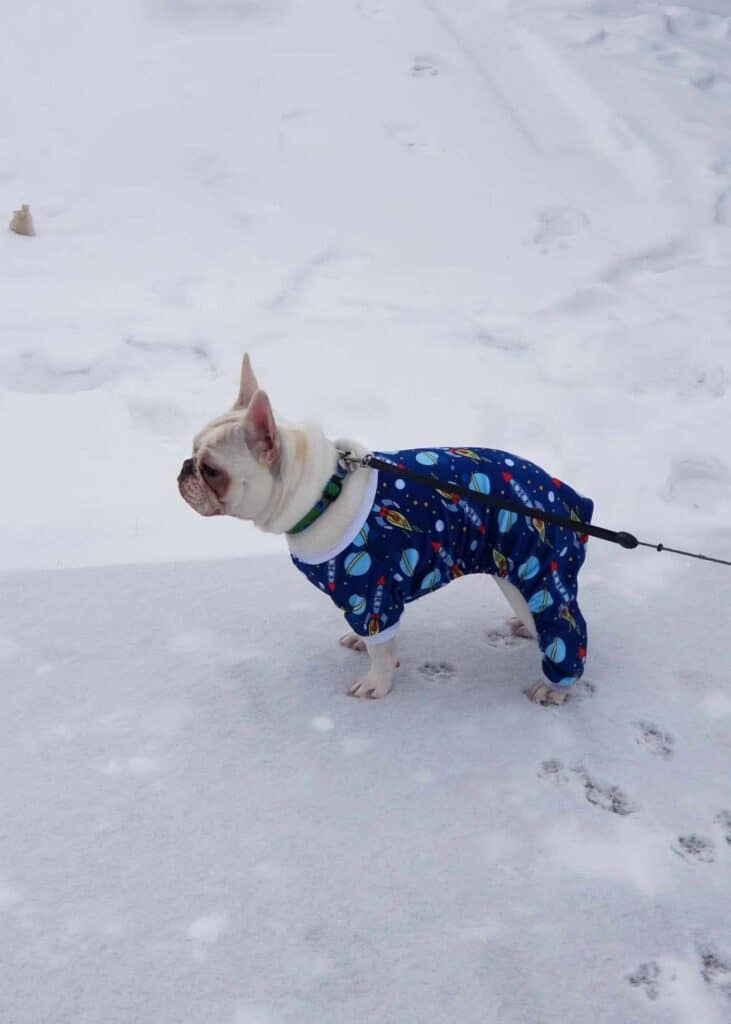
(540, 601)
(361, 538)
(357, 604)
(357, 564)
(427, 458)
(409, 561)
(431, 580)
(528, 569)
(556, 650)
(506, 520)
(480, 482)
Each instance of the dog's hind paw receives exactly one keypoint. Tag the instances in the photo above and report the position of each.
(543, 694)
(353, 642)
(519, 629)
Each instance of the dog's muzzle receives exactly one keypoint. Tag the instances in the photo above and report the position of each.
(196, 493)
(188, 469)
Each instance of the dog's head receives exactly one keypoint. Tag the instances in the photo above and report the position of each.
(236, 457)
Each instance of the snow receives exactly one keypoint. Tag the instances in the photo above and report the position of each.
(195, 832)
(499, 223)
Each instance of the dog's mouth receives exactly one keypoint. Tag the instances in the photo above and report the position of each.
(202, 485)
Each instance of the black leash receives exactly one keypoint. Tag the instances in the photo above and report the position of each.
(450, 489)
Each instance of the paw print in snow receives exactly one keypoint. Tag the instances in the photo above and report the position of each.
(657, 742)
(697, 848)
(552, 770)
(496, 638)
(647, 978)
(424, 67)
(715, 968)
(608, 797)
(437, 671)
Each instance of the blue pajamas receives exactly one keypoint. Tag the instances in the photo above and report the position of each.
(417, 539)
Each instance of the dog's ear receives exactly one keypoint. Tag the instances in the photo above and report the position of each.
(248, 385)
(261, 432)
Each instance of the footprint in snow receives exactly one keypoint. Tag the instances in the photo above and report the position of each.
(406, 134)
(698, 482)
(498, 638)
(559, 223)
(696, 848)
(609, 798)
(437, 671)
(646, 977)
(603, 795)
(653, 739)
(715, 968)
(424, 67)
(553, 770)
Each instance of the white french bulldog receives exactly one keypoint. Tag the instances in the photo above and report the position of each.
(251, 465)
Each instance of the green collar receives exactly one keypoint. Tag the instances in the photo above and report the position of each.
(330, 494)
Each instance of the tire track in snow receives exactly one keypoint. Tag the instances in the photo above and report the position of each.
(487, 79)
(559, 110)
(605, 129)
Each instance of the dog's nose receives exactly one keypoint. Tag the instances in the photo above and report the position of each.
(187, 470)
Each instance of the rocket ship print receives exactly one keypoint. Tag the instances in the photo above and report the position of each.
(565, 614)
(540, 527)
(374, 620)
(502, 563)
(534, 522)
(578, 539)
(331, 573)
(558, 584)
(466, 453)
(453, 502)
(444, 556)
(390, 516)
(520, 493)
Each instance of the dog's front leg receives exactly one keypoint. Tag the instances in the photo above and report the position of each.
(379, 678)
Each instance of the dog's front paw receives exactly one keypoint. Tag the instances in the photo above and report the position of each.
(546, 695)
(353, 642)
(371, 687)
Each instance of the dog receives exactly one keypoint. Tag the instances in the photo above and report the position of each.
(374, 540)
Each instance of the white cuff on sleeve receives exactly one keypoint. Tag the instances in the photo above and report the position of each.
(381, 638)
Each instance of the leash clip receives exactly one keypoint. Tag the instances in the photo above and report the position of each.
(352, 462)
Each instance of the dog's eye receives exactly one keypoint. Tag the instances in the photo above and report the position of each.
(209, 471)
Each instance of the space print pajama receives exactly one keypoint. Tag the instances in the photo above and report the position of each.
(417, 538)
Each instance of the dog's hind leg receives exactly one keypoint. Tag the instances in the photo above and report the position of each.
(523, 624)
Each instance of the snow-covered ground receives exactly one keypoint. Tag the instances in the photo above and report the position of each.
(500, 223)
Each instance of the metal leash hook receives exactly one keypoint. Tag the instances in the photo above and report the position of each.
(621, 537)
